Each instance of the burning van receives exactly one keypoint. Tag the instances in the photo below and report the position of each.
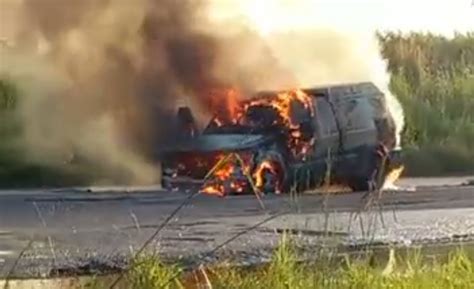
(286, 140)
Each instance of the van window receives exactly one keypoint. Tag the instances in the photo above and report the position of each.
(326, 121)
(355, 113)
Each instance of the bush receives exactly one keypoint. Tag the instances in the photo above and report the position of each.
(8, 96)
(433, 77)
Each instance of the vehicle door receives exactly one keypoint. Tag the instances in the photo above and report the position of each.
(327, 144)
(355, 117)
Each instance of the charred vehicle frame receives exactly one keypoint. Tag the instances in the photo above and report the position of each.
(287, 140)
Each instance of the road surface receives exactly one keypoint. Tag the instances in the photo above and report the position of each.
(79, 228)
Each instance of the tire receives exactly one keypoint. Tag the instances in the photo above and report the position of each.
(274, 181)
(361, 184)
(374, 177)
(165, 185)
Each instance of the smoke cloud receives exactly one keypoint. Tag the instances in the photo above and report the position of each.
(327, 56)
(101, 79)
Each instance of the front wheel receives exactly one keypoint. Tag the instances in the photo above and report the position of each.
(269, 176)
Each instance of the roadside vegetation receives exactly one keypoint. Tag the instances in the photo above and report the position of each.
(433, 76)
(16, 170)
(285, 272)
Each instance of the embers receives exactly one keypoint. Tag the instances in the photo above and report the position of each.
(267, 176)
(289, 112)
(231, 174)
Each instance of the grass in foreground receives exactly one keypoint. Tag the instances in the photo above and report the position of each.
(285, 272)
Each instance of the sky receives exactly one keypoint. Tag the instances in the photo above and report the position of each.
(438, 16)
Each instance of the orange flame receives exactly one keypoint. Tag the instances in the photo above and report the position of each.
(230, 109)
(214, 189)
(392, 177)
(226, 104)
(259, 173)
(282, 102)
(225, 176)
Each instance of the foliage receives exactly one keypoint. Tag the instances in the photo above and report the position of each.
(433, 76)
(18, 171)
(9, 127)
(8, 96)
(8, 104)
(285, 272)
(149, 272)
(408, 272)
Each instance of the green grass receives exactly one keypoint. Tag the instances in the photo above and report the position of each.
(285, 272)
(433, 77)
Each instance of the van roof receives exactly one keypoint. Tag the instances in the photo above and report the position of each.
(343, 89)
(336, 89)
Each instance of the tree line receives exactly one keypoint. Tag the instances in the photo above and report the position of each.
(433, 76)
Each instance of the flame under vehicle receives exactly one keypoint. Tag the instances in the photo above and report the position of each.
(286, 140)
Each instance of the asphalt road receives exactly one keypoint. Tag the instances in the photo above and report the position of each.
(78, 227)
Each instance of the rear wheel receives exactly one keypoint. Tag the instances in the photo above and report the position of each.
(360, 184)
(375, 174)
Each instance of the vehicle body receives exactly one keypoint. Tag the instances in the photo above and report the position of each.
(341, 133)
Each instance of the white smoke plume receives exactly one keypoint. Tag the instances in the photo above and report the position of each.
(317, 44)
